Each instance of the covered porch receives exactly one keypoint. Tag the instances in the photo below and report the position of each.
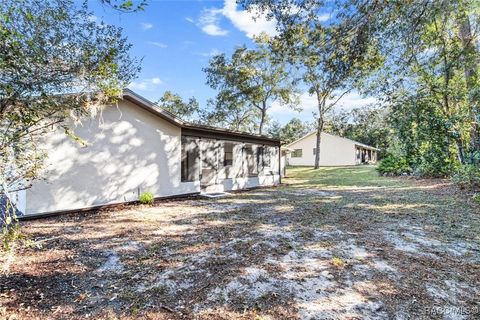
(365, 154)
(223, 162)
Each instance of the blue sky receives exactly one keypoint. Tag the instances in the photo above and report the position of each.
(177, 38)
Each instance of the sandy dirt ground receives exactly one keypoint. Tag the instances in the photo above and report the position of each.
(320, 247)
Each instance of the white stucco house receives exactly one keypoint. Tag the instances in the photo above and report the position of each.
(134, 147)
(334, 151)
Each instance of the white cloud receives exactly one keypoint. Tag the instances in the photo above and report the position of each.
(248, 21)
(214, 30)
(156, 80)
(324, 17)
(157, 44)
(146, 26)
(189, 19)
(209, 22)
(145, 84)
(211, 53)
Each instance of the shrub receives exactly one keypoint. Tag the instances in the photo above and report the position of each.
(393, 165)
(468, 177)
(476, 198)
(434, 164)
(146, 198)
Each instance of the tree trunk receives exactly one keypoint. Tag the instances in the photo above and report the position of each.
(321, 107)
(264, 115)
(471, 68)
(460, 153)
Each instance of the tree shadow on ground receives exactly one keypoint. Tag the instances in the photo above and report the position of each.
(331, 252)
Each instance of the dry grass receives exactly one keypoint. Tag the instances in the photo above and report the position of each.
(334, 243)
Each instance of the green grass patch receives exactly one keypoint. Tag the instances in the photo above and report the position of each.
(355, 176)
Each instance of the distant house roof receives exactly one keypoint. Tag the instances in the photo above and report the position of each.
(315, 132)
(194, 128)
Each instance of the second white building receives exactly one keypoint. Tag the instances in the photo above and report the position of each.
(334, 151)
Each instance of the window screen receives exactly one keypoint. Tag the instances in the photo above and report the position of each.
(297, 153)
(190, 156)
(251, 161)
(228, 154)
(260, 154)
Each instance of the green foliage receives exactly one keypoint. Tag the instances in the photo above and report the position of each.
(10, 229)
(185, 110)
(433, 164)
(249, 82)
(9, 235)
(367, 125)
(291, 131)
(393, 165)
(476, 198)
(423, 136)
(146, 198)
(430, 93)
(227, 111)
(427, 56)
(331, 60)
(125, 5)
(468, 177)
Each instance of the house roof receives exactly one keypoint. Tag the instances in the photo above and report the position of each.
(194, 128)
(315, 132)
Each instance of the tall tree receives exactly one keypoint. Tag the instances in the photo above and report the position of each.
(228, 111)
(55, 64)
(185, 110)
(252, 77)
(468, 32)
(431, 74)
(330, 54)
(328, 71)
(431, 55)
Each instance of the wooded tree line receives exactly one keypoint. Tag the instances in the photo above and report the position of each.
(418, 58)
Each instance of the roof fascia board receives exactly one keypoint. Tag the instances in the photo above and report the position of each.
(213, 133)
(150, 106)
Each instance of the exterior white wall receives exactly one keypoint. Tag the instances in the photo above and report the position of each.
(243, 183)
(129, 151)
(334, 151)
